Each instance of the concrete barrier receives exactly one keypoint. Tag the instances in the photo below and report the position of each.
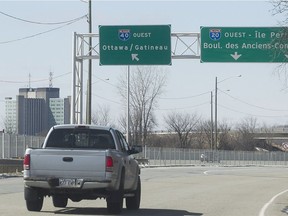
(11, 165)
(143, 161)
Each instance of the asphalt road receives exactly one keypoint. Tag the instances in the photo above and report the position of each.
(182, 191)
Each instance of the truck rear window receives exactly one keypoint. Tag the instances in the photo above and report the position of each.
(81, 138)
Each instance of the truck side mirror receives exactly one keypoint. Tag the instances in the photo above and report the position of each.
(135, 149)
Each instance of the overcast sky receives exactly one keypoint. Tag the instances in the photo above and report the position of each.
(41, 46)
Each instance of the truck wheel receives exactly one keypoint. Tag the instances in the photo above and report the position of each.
(34, 201)
(59, 201)
(115, 200)
(133, 203)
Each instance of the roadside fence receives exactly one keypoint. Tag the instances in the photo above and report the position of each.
(13, 146)
(180, 157)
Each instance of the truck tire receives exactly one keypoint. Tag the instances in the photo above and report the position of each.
(133, 203)
(115, 200)
(34, 201)
(59, 201)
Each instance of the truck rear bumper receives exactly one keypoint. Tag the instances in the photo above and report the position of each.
(54, 184)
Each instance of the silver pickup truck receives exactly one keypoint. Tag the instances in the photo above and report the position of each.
(79, 162)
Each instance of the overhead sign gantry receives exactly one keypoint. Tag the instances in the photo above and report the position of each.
(149, 46)
(182, 46)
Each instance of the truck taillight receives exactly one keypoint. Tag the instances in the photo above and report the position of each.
(109, 164)
(26, 162)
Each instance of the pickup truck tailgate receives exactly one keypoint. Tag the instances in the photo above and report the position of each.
(68, 163)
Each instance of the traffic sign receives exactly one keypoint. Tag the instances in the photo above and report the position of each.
(135, 45)
(244, 44)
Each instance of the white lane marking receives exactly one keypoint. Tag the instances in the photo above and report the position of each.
(206, 172)
(264, 208)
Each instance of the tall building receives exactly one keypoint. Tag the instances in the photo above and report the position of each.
(29, 115)
(58, 108)
(10, 113)
(36, 110)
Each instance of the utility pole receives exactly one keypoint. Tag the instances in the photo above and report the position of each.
(128, 104)
(216, 92)
(212, 125)
(89, 90)
(216, 105)
(89, 81)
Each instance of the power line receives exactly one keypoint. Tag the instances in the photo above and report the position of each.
(227, 108)
(104, 80)
(180, 98)
(263, 108)
(32, 81)
(41, 33)
(62, 75)
(106, 99)
(189, 107)
(42, 23)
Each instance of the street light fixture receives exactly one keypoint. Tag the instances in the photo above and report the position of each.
(100, 80)
(216, 105)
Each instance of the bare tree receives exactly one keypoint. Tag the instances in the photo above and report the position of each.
(123, 123)
(267, 132)
(280, 7)
(146, 85)
(183, 125)
(246, 134)
(205, 137)
(224, 136)
(101, 116)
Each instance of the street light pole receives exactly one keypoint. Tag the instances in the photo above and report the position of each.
(128, 104)
(89, 81)
(216, 105)
(216, 93)
(212, 134)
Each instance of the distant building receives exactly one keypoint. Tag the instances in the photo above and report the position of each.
(30, 117)
(60, 111)
(35, 110)
(10, 113)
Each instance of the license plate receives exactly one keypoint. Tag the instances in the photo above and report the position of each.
(74, 183)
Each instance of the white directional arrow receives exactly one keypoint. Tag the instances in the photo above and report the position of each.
(236, 56)
(286, 55)
(134, 57)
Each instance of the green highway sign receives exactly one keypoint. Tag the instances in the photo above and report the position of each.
(244, 44)
(135, 45)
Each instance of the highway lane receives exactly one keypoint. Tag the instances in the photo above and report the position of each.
(182, 191)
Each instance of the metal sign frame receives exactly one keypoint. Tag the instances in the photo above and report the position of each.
(183, 46)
